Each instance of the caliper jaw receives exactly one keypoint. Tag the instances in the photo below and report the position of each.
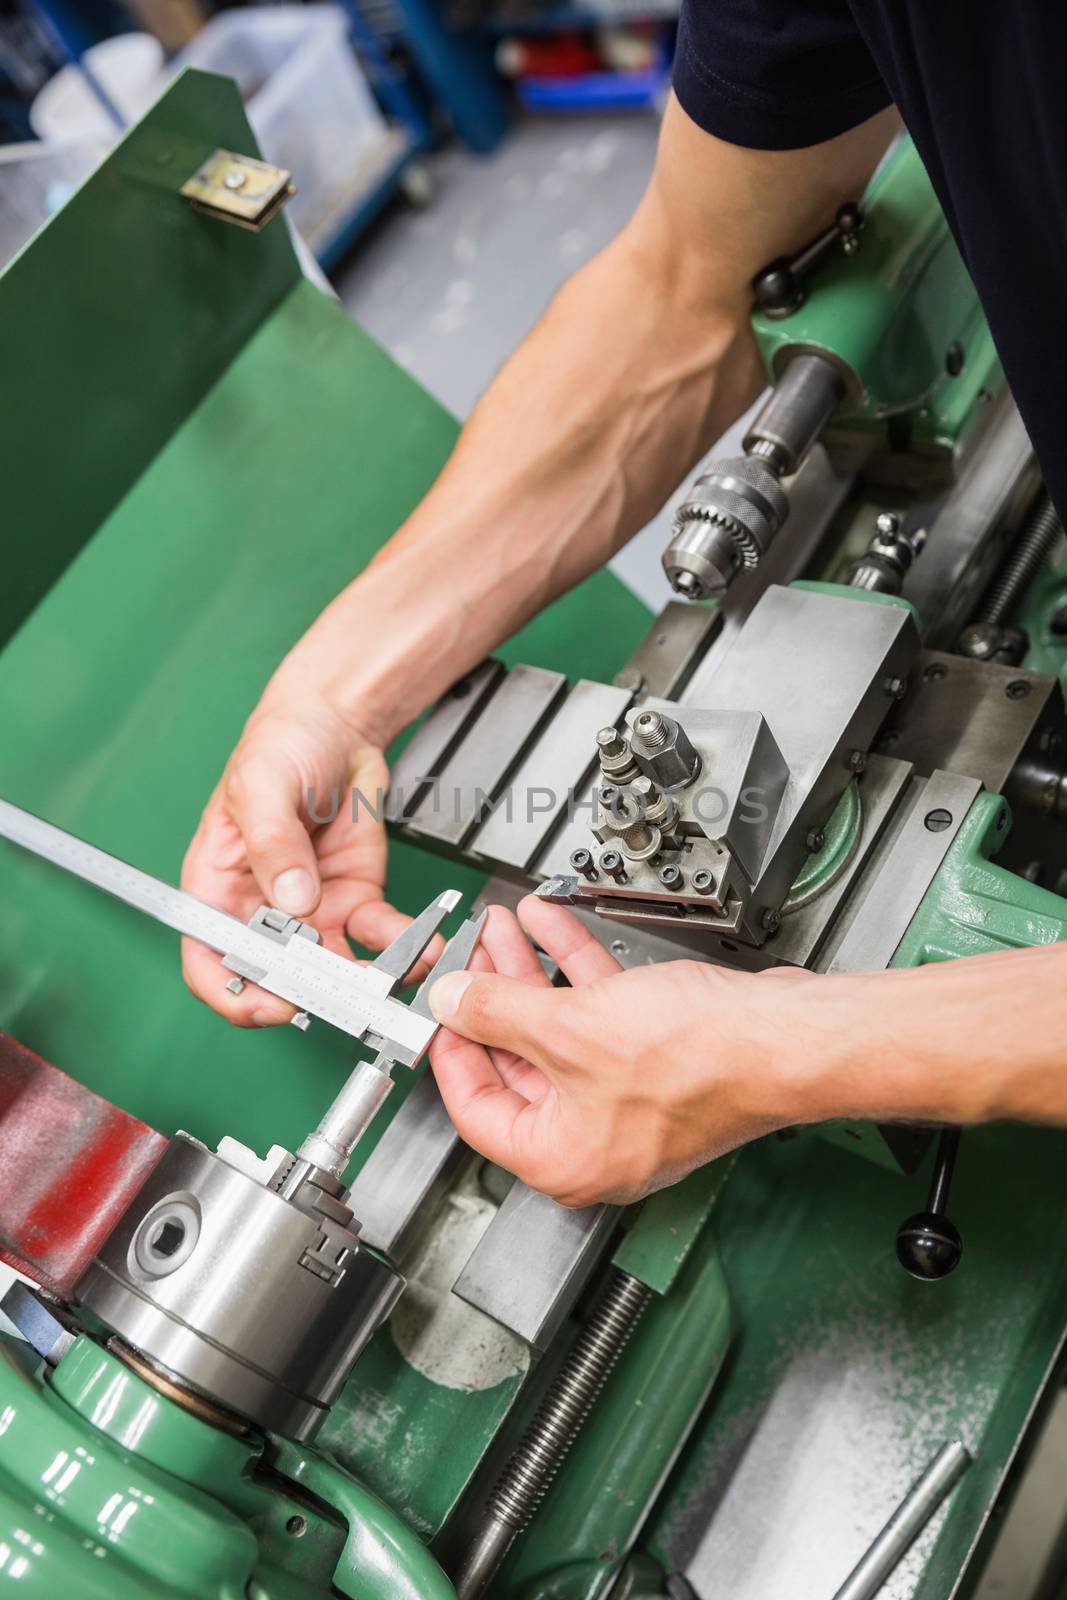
(393, 964)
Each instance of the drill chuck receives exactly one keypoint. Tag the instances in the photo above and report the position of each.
(734, 510)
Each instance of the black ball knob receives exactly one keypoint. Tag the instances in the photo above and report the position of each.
(929, 1246)
(778, 289)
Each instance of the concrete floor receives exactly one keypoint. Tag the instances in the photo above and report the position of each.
(450, 290)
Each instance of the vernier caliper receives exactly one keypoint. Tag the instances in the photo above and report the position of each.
(283, 955)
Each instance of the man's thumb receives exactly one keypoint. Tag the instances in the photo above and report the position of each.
(263, 801)
(489, 1009)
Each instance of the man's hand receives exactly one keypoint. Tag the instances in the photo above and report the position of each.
(628, 1080)
(258, 843)
(625, 1081)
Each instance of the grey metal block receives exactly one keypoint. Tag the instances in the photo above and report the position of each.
(550, 777)
(433, 743)
(490, 749)
(529, 1266)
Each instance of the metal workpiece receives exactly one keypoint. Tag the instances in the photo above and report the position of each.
(237, 1294)
(351, 1113)
(273, 950)
(907, 1522)
(395, 1191)
(537, 1458)
(558, 1246)
(362, 1096)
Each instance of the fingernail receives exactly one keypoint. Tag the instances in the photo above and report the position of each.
(263, 1019)
(293, 891)
(447, 993)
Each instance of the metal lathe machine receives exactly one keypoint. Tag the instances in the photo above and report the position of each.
(277, 1331)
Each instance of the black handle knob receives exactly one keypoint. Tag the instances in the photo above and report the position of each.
(928, 1244)
(780, 288)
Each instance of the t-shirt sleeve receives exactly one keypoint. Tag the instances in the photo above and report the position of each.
(775, 74)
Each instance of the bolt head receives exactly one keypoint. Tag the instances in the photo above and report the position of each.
(236, 178)
(857, 762)
(771, 920)
(670, 876)
(703, 881)
(887, 523)
(815, 840)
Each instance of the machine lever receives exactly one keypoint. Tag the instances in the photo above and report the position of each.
(780, 287)
(928, 1244)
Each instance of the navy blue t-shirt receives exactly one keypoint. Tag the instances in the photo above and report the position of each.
(981, 87)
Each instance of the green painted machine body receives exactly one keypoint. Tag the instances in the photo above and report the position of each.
(888, 314)
(203, 451)
(109, 1490)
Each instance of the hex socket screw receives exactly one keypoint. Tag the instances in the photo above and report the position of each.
(671, 876)
(583, 863)
(703, 881)
(612, 863)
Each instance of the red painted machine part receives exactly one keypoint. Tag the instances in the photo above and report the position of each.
(70, 1163)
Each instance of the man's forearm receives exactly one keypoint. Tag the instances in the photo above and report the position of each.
(964, 1041)
(580, 439)
(642, 360)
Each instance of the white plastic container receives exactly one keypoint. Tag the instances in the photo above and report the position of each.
(307, 100)
(128, 68)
